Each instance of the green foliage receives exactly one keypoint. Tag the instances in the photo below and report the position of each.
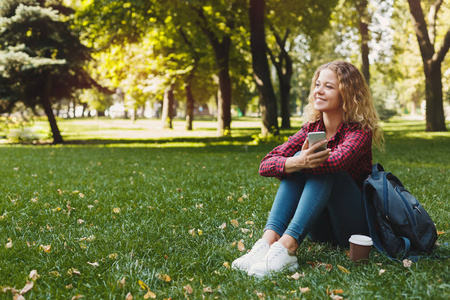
(145, 210)
(37, 50)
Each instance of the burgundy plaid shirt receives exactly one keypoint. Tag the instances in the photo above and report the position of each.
(351, 151)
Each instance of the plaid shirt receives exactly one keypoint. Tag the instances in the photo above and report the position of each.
(351, 151)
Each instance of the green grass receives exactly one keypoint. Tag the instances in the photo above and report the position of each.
(137, 208)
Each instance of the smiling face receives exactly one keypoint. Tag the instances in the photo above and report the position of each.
(327, 98)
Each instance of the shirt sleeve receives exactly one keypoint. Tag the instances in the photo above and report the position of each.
(273, 164)
(355, 144)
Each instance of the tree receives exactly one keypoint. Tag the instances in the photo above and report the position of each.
(42, 59)
(287, 22)
(432, 60)
(268, 105)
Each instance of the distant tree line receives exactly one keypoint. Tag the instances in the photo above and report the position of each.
(240, 54)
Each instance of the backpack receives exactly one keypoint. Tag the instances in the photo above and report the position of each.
(398, 224)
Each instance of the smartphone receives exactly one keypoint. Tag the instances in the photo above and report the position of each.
(314, 137)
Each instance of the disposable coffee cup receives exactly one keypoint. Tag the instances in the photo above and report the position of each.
(360, 246)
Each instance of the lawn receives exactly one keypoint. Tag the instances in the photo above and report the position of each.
(148, 216)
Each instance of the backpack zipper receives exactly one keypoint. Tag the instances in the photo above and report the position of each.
(408, 205)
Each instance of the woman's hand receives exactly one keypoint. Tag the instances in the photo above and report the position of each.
(307, 159)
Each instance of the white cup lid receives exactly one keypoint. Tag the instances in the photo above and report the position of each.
(362, 240)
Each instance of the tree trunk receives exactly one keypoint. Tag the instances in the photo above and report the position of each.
(45, 102)
(361, 6)
(432, 60)
(167, 111)
(222, 56)
(261, 70)
(283, 66)
(435, 118)
(189, 106)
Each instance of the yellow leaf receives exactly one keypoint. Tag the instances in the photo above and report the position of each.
(121, 283)
(343, 270)
(46, 249)
(113, 256)
(226, 265)
(77, 297)
(116, 210)
(142, 284)
(129, 297)
(439, 232)
(150, 294)
(166, 278)
(200, 232)
(234, 222)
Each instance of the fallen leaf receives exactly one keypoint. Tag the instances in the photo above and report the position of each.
(343, 270)
(407, 263)
(113, 256)
(305, 289)
(249, 222)
(150, 294)
(192, 232)
(9, 244)
(46, 248)
(18, 297)
(54, 273)
(27, 287)
(116, 211)
(188, 289)
(226, 265)
(297, 275)
(129, 296)
(121, 283)
(80, 221)
(260, 295)
(141, 284)
(94, 264)
(33, 275)
(234, 222)
(34, 199)
(207, 290)
(223, 226)
(164, 277)
(336, 297)
(439, 232)
(241, 246)
(381, 271)
(73, 271)
(77, 297)
(69, 286)
(199, 231)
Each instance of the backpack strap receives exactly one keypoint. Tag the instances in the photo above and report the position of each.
(376, 168)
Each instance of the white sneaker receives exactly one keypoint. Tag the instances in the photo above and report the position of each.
(277, 259)
(259, 250)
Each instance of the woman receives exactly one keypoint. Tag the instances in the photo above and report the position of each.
(320, 193)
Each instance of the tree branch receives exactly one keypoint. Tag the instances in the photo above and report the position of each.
(420, 27)
(432, 15)
(445, 46)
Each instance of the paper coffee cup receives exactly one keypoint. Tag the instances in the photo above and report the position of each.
(360, 246)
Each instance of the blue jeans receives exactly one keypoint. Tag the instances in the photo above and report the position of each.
(326, 207)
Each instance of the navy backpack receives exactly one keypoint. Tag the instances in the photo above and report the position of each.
(399, 226)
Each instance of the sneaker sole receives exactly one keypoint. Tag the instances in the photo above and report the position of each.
(289, 267)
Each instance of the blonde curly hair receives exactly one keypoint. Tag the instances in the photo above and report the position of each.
(358, 104)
